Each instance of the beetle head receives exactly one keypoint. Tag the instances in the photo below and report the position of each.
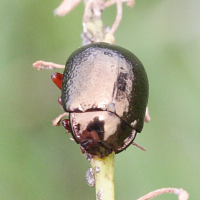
(98, 131)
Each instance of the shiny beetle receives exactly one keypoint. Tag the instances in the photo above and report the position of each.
(104, 89)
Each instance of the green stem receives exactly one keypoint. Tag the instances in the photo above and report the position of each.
(103, 167)
(104, 177)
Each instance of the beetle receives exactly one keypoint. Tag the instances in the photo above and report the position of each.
(104, 91)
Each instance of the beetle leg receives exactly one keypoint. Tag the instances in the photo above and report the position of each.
(56, 121)
(46, 65)
(140, 147)
(57, 79)
(60, 102)
(147, 116)
(133, 124)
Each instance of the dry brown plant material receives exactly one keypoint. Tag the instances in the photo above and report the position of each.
(182, 194)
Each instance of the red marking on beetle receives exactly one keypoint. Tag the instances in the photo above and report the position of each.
(57, 79)
(66, 124)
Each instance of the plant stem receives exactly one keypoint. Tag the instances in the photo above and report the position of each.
(104, 177)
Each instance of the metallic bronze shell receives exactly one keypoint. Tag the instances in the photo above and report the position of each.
(108, 82)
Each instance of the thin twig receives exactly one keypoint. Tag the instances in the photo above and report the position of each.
(65, 7)
(118, 17)
(47, 65)
(129, 3)
(182, 194)
(93, 28)
(88, 6)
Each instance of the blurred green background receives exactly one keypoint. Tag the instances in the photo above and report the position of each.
(38, 161)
